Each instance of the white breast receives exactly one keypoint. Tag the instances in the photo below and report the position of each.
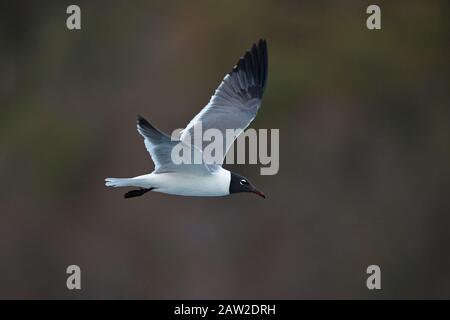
(215, 184)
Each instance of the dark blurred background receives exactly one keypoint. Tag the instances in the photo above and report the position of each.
(364, 123)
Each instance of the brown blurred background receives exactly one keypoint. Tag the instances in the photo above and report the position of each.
(364, 174)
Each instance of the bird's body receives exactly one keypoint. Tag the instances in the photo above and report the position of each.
(180, 183)
(234, 105)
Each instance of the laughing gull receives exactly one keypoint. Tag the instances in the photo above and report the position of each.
(233, 106)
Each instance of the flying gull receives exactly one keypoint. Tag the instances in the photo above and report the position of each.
(233, 106)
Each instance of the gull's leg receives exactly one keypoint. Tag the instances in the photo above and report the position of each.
(136, 193)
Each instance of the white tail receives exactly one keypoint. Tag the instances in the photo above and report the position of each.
(119, 182)
(140, 181)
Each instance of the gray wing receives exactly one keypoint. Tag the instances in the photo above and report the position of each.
(237, 99)
(160, 147)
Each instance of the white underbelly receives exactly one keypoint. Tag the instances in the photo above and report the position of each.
(216, 184)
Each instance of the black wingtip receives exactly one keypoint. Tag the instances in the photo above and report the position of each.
(150, 131)
(142, 121)
(264, 57)
(255, 64)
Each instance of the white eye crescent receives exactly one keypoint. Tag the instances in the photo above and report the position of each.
(243, 182)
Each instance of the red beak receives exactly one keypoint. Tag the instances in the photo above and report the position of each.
(259, 193)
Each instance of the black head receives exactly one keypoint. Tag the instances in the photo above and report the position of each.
(241, 184)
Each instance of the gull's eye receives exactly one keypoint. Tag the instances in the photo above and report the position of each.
(243, 182)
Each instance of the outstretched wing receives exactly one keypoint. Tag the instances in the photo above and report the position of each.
(160, 147)
(237, 99)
